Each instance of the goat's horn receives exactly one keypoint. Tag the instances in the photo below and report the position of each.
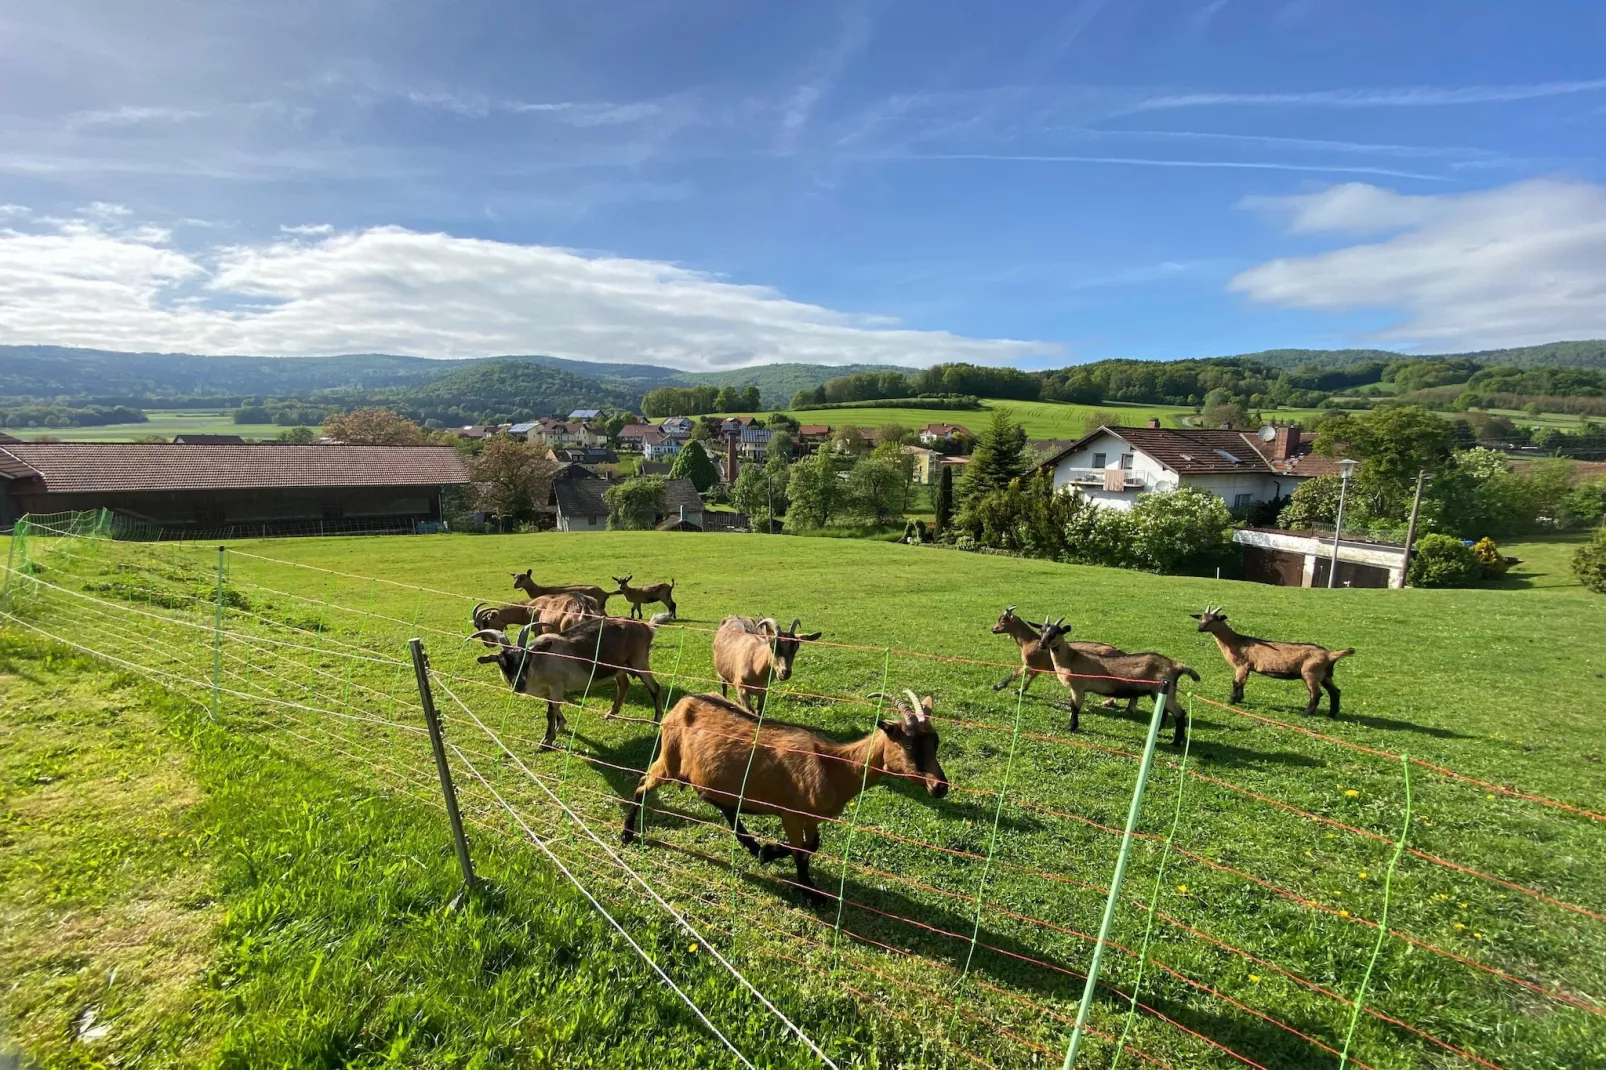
(915, 709)
(485, 635)
(897, 703)
(477, 607)
(796, 622)
(1010, 609)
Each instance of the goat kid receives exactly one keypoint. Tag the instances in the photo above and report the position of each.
(1280, 661)
(550, 612)
(1128, 676)
(749, 653)
(551, 666)
(741, 767)
(522, 581)
(642, 596)
(1035, 661)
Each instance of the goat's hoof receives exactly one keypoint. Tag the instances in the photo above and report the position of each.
(627, 836)
(772, 852)
(549, 744)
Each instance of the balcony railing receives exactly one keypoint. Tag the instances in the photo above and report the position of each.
(1097, 476)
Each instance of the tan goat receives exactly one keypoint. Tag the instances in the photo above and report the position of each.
(740, 767)
(644, 596)
(1128, 676)
(749, 653)
(552, 612)
(1280, 661)
(1035, 661)
(523, 581)
(553, 665)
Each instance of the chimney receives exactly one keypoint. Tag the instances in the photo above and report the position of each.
(1154, 421)
(1285, 443)
(730, 459)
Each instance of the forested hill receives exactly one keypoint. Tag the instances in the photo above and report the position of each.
(1587, 354)
(498, 391)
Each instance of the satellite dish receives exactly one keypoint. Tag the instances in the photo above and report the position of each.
(1268, 433)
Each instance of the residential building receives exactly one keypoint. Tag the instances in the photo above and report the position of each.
(1113, 465)
(600, 461)
(523, 430)
(933, 434)
(631, 435)
(927, 463)
(258, 488)
(677, 425)
(811, 437)
(567, 434)
(581, 507)
(659, 446)
(585, 415)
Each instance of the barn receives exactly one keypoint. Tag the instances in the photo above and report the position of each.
(265, 488)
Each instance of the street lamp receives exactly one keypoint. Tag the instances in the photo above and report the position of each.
(1345, 468)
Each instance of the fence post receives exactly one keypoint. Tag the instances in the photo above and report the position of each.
(1161, 699)
(437, 743)
(11, 557)
(217, 637)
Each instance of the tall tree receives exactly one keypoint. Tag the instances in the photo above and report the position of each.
(812, 488)
(692, 463)
(875, 489)
(636, 504)
(999, 457)
(509, 476)
(374, 427)
(728, 399)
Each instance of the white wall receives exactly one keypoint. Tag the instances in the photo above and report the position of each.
(1228, 485)
(1144, 467)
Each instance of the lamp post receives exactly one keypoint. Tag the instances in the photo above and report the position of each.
(1345, 468)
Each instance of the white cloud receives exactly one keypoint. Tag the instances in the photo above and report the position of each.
(309, 229)
(1520, 264)
(388, 289)
(1405, 97)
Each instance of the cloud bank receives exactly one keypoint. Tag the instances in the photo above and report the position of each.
(104, 282)
(1510, 266)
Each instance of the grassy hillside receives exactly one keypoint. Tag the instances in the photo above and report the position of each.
(158, 422)
(1042, 419)
(1499, 684)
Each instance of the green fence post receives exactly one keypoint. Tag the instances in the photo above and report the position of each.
(11, 557)
(217, 637)
(1383, 920)
(1161, 698)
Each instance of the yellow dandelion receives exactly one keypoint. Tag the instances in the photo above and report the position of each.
(1490, 797)
(1441, 897)
(1478, 935)
(1352, 793)
(692, 948)
(1255, 978)
(1343, 913)
(1463, 906)
(1183, 888)
(1363, 874)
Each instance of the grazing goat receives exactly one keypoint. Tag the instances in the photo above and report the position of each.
(1280, 661)
(740, 767)
(1033, 659)
(1126, 676)
(748, 653)
(557, 663)
(523, 582)
(642, 596)
(550, 612)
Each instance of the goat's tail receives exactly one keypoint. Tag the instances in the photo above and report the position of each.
(1186, 671)
(1334, 655)
(661, 618)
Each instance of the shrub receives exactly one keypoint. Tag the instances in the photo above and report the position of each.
(1491, 562)
(1181, 526)
(1589, 563)
(635, 504)
(1443, 561)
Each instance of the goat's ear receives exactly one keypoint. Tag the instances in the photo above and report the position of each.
(893, 729)
(925, 704)
(1197, 616)
(811, 636)
(488, 659)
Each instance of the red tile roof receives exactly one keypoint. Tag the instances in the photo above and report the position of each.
(814, 429)
(80, 467)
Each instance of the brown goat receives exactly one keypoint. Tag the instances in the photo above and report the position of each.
(740, 767)
(1033, 659)
(551, 612)
(1128, 676)
(748, 653)
(555, 664)
(522, 581)
(1280, 661)
(642, 596)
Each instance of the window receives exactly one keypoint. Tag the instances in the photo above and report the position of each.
(1242, 501)
(1126, 461)
(1099, 460)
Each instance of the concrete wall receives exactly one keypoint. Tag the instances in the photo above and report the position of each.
(1313, 548)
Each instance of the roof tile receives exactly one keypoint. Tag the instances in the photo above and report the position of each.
(87, 467)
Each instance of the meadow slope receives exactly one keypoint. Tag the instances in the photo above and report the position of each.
(1500, 684)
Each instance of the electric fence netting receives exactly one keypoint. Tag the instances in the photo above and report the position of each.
(1351, 931)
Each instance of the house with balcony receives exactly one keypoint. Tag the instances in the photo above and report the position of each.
(1113, 465)
(937, 434)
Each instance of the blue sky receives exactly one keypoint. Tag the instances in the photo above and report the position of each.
(712, 184)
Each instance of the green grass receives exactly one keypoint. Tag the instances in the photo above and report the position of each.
(165, 423)
(294, 838)
(1042, 419)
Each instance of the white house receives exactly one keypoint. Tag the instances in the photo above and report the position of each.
(1113, 465)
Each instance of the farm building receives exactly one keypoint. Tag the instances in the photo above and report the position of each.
(580, 505)
(1113, 465)
(260, 486)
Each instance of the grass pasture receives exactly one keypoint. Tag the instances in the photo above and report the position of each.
(1042, 419)
(318, 883)
(166, 423)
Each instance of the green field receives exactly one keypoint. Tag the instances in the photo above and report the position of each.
(166, 423)
(1042, 419)
(268, 892)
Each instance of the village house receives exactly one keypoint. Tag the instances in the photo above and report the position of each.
(581, 507)
(811, 437)
(1113, 465)
(927, 463)
(935, 434)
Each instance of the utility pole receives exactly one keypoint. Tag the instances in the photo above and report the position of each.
(1410, 529)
